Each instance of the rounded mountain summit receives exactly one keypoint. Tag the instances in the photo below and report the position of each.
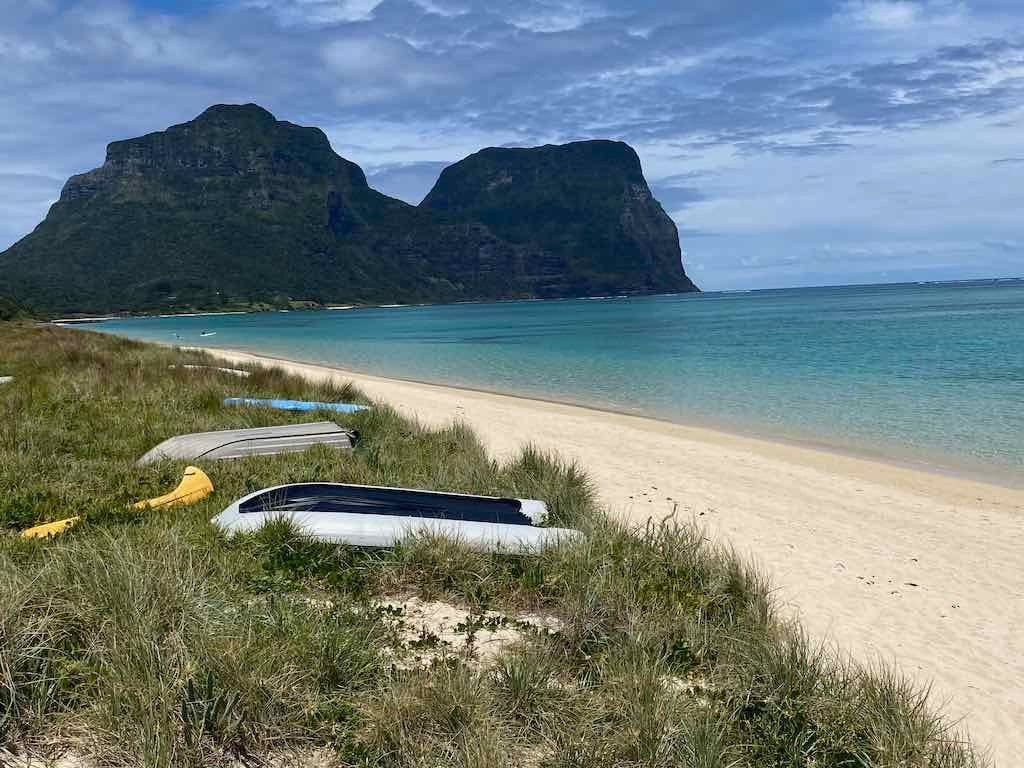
(237, 208)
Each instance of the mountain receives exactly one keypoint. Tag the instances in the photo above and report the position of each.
(586, 204)
(11, 310)
(238, 208)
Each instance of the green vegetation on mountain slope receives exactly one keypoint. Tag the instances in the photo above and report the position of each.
(236, 208)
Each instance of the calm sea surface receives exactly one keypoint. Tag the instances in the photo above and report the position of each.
(928, 373)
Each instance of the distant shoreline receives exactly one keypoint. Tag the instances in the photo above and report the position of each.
(83, 319)
(318, 307)
(101, 319)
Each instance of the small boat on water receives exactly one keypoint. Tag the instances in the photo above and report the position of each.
(208, 333)
(377, 516)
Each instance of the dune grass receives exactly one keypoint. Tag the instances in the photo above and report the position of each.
(147, 638)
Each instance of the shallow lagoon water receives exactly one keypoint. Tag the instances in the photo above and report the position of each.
(929, 373)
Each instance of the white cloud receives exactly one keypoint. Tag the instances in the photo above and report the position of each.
(886, 14)
(660, 67)
(374, 69)
(317, 12)
(116, 35)
(12, 49)
(388, 143)
(548, 17)
(440, 8)
(902, 15)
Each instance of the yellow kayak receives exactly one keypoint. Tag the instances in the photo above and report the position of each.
(46, 530)
(194, 486)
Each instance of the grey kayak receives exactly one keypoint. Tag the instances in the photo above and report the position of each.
(374, 516)
(257, 441)
(233, 371)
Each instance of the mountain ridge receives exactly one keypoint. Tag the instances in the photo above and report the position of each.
(236, 207)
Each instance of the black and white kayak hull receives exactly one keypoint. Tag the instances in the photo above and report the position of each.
(374, 516)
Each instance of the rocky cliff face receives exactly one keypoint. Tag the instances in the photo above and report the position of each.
(236, 207)
(586, 204)
(236, 157)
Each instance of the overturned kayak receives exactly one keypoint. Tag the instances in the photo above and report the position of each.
(195, 486)
(294, 405)
(374, 516)
(257, 441)
(220, 369)
(46, 530)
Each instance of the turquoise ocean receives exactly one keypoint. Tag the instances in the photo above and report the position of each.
(925, 373)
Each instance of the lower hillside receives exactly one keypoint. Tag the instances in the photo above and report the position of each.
(146, 638)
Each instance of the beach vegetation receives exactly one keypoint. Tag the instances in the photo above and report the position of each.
(150, 638)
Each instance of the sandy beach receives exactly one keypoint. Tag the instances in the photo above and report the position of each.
(889, 563)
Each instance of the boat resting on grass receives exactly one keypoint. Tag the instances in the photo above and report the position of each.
(376, 516)
(256, 441)
(294, 405)
(195, 486)
(220, 369)
(46, 530)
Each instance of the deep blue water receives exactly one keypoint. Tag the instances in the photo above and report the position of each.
(931, 373)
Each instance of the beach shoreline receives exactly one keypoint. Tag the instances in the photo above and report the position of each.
(888, 563)
(936, 466)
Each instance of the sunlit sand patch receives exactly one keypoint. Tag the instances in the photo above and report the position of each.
(429, 629)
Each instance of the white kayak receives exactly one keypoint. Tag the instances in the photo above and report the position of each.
(374, 516)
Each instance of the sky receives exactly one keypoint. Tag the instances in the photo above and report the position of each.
(793, 142)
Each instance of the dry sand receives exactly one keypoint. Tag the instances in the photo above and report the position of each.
(451, 629)
(922, 570)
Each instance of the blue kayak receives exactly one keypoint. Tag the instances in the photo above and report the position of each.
(295, 405)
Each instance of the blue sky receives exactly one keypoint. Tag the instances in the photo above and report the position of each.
(794, 143)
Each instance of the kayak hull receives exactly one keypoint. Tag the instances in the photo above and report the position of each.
(294, 405)
(257, 441)
(46, 530)
(195, 486)
(363, 516)
(362, 530)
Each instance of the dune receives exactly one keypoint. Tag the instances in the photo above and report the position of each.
(889, 563)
